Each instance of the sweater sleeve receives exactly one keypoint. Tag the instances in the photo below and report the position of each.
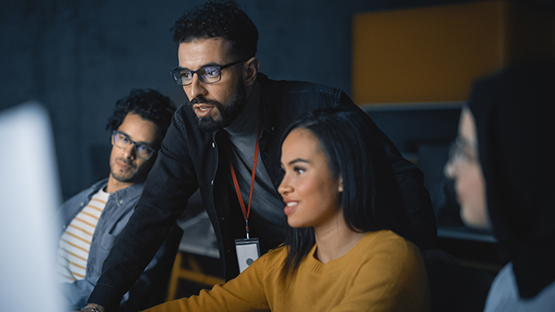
(394, 279)
(246, 292)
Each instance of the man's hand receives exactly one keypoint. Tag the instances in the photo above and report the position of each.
(92, 307)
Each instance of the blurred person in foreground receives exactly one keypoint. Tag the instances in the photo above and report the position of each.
(503, 164)
(94, 218)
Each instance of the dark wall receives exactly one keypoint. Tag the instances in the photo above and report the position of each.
(79, 56)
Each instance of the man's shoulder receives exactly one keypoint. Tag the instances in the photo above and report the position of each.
(285, 100)
(293, 86)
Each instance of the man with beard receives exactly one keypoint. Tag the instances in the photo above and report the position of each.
(94, 218)
(225, 141)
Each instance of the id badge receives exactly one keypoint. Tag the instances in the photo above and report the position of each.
(247, 250)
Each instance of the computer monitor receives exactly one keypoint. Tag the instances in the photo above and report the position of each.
(29, 195)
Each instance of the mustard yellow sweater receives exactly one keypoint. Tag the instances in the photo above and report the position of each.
(383, 272)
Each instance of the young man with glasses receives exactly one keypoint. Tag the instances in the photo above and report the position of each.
(225, 141)
(94, 218)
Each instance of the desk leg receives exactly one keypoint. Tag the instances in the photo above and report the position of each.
(174, 278)
(194, 274)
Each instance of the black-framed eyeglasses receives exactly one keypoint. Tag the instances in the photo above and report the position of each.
(206, 74)
(122, 140)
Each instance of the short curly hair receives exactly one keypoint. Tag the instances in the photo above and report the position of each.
(219, 19)
(150, 104)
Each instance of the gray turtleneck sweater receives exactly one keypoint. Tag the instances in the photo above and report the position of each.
(266, 201)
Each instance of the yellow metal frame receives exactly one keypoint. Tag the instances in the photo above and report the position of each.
(193, 274)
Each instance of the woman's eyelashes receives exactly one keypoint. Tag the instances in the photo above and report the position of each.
(298, 170)
(295, 169)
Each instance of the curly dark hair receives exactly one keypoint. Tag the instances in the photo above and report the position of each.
(150, 104)
(219, 19)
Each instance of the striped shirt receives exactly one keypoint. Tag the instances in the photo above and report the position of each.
(74, 245)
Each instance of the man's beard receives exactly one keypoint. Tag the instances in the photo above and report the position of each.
(136, 175)
(227, 114)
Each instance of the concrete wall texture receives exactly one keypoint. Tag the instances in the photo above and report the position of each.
(78, 57)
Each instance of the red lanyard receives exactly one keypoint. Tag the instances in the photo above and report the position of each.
(246, 212)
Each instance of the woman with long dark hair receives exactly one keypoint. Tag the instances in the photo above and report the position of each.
(345, 250)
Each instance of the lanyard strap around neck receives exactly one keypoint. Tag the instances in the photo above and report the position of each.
(247, 211)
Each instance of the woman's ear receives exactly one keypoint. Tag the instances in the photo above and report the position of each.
(250, 71)
(340, 187)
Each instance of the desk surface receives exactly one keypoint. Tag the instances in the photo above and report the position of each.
(462, 233)
(199, 237)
